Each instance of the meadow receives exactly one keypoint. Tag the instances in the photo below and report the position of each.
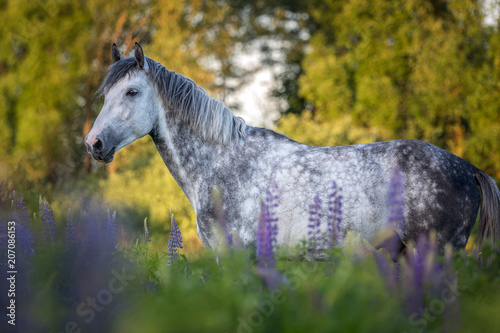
(87, 274)
(344, 72)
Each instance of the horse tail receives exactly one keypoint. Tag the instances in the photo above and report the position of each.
(489, 219)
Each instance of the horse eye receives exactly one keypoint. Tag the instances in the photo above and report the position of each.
(132, 92)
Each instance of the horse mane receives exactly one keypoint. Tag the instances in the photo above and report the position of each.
(207, 116)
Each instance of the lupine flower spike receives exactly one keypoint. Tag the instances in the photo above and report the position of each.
(271, 203)
(265, 253)
(382, 266)
(25, 235)
(49, 231)
(266, 233)
(395, 222)
(22, 210)
(334, 215)
(396, 218)
(174, 241)
(314, 226)
(395, 200)
(146, 231)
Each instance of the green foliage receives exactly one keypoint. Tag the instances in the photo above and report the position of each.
(54, 55)
(419, 69)
(346, 295)
(51, 63)
(304, 128)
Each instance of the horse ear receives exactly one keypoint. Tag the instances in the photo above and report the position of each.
(139, 56)
(115, 53)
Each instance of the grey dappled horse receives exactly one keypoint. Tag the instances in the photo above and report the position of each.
(204, 146)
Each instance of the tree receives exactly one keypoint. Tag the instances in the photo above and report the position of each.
(55, 54)
(420, 69)
(52, 60)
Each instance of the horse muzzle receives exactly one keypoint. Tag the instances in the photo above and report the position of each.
(97, 149)
(105, 157)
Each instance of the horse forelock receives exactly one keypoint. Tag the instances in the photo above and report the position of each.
(116, 72)
(182, 96)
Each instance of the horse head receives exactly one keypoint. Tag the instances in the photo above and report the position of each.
(130, 107)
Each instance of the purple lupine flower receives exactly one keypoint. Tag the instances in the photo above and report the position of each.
(415, 275)
(423, 274)
(265, 252)
(395, 205)
(414, 298)
(49, 231)
(22, 210)
(271, 203)
(419, 262)
(70, 231)
(434, 271)
(174, 240)
(270, 277)
(391, 277)
(395, 200)
(147, 238)
(337, 204)
(25, 239)
(25, 235)
(111, 231)
(396, 272)
(267, 231)
(314, 226)
(334, 217)
(382, 266)
(93, 240)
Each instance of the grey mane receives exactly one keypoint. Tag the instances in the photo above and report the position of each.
(207, 116)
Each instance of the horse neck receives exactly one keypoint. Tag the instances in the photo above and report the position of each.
(184, 153)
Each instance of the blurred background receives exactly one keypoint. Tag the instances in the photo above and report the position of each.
(332, 72)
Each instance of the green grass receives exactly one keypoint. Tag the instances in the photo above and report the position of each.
(85, 287)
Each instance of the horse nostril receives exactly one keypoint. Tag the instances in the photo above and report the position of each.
(98, 145)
